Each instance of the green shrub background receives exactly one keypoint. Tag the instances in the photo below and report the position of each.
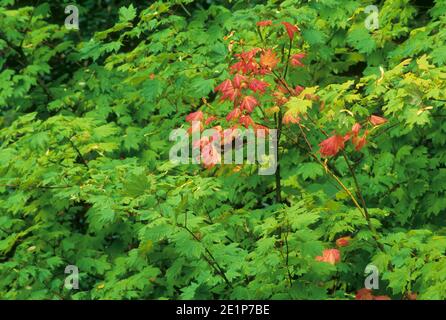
(85, 177)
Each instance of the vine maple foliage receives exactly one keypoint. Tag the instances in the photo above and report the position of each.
(259, 80)
(255, 72)
(87, 180)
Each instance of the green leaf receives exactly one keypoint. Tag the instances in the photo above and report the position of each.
(127, 14)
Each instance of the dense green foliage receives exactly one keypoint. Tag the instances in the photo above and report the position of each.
(85, 176)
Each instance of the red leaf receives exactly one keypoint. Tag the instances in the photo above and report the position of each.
(227, 89)
(210, 156)
(224, 86)
(257, 85)
(331, 146)
(343, 242)
(290, 29)
(288, 118)
(268, 59)
(194, 116)
(234, 114)
(298, 90)
(239, 81)
(248, 103)
(264, 23)
(355, 129)
(296, 59)
(246, 121)
(359, 143)
(347, 136)
(248, 55)
(210, 119)
(331, 256)
(376, 121)
(364, 294)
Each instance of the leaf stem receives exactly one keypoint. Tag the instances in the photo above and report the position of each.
(288, 59)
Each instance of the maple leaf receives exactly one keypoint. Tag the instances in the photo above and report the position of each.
(331, 256)
(313, 97)
(194, 116)
(376, 121)
(355, 129)
(290, 29)
(239, 66)
(298, 106)
(245, 67)
(246, 121)
(227, 89)
(200, 143)
(248, 55)
(210, 155)
(364, 294)
(258, 85)
(238, 81)
(290, 118)
(271, 111)
(196, 126)
(298, 90)
(359, 143)
(224, 86)
(331, 146)
(268, 59)
(248, 103)
(296, 59)
(264, 23)
(343, 242)
(234, 114)
(360, 38)
(210, 120)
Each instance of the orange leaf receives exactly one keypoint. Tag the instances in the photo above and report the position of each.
(268, 59)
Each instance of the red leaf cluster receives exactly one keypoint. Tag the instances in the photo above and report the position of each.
(331, 146)
(331, 256)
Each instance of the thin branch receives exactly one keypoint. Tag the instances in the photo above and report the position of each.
(288, 59)
(361, 197)
(352, 197)
(213, 263)
(84, 162)
(288, 254)
(278, 118)
(185, 9)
